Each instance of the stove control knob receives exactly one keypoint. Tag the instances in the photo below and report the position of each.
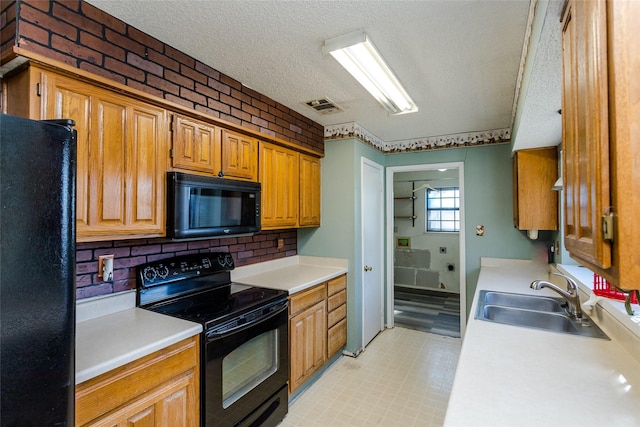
(149, 274)
(162, 271)
(225, 260)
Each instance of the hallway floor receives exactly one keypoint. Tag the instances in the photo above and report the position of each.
(429, 311)
(403, 378)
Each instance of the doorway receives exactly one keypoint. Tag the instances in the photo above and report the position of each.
(425, 260)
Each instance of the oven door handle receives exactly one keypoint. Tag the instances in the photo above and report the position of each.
(222, 331)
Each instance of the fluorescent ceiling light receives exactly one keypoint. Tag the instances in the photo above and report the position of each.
(356, 53)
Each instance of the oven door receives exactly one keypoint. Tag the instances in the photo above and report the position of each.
(245, 367)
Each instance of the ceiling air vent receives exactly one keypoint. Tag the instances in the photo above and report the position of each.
(323, 106)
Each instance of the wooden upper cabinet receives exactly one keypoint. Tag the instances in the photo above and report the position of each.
(309, 191)
(121, 159)
(601, 109)
(239, 156)
(585, 124)
(196, 145)
(535, 204)
(279, 177)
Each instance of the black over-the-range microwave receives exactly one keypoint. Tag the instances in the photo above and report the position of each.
(201, 206)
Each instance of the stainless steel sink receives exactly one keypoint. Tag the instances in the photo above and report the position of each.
(528, 302)
(535, 312)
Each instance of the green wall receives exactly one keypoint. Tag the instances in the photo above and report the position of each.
(340, 234)
(488, 201)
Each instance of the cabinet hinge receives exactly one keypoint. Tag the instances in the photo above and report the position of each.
(171, 153)
(607, 227)
(38, 89)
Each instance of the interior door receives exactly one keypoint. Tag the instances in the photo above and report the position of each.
(372, 223)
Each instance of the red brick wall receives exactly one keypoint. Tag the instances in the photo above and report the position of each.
(76, 33)
(7, 25)
(130, 253)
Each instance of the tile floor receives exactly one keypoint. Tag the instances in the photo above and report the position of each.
(403, 378)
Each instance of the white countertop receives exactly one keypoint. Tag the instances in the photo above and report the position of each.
(513, 376)
(291, 274)
(111, 341)
(111, 331)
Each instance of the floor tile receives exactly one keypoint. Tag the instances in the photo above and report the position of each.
(403, 378)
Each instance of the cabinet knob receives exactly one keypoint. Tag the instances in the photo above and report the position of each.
(367, 268)
(220, 174)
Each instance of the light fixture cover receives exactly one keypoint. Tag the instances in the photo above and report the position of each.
(357, 54)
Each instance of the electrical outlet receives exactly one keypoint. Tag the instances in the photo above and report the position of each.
(105, 267)
(280, 244)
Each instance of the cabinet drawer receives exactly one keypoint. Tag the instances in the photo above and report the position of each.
(305, 299)
(334, 301)
(336, 315)
(337, 337)
(336, 284)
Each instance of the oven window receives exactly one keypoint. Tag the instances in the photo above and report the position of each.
(249, 365)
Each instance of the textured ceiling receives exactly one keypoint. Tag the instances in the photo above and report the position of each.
(459, 60)
(540, 123)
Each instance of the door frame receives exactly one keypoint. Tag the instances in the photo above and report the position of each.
(391, 170)
(365, 161)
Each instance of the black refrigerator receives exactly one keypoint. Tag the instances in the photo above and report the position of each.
(37, 272)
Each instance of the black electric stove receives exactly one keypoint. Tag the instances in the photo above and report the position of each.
(245, 329)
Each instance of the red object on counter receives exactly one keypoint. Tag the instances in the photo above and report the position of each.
(603, 288)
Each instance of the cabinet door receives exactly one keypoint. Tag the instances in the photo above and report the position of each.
(308, 337)
(167, 406)
(535, 204)
(280, 186)
(309, 191)
(585, 131)
(145, 167)
(239, 156)
(126, 178)
(624, 63)
(196, 145)
(121, 159)
(67, 98)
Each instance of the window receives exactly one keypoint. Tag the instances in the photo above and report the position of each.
(443, 209)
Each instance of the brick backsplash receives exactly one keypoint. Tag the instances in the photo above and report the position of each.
(128, 254)
(78, 34)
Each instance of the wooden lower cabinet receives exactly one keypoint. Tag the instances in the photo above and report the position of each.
(307, 334)
(317, 328)
(159, 390)
(336, 314)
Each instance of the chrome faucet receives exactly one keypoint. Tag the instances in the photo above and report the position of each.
(571, 294)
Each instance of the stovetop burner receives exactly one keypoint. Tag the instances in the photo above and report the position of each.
(217, 305)
(199, 288)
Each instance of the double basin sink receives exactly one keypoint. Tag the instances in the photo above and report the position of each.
(532, 311)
